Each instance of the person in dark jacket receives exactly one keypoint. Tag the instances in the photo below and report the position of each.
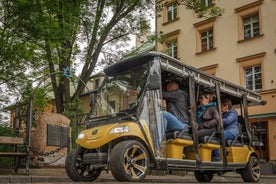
(230, 124)
(177, 116)
(207, 116)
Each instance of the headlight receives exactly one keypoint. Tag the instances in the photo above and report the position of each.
(81, 136)
(120, 129)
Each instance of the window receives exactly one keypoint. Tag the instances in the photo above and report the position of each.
(251, 71)
(207, 40)
(97, 83)
(249, 21)
(170, 43)
(205, 35)
(253, 78)
(172, 48)
(172, 12)
(112, 106)
(208, 2)
(251, 26)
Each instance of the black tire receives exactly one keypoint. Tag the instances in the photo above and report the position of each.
(252, 172)
(129, 161)
(203, 176)
(76, 170)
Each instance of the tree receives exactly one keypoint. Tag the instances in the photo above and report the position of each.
(201, 8)
(58, 29)
(48, 36)
(16, 53)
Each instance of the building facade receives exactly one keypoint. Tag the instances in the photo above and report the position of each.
(239, 46)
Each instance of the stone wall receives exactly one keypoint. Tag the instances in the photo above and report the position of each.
(43, 154)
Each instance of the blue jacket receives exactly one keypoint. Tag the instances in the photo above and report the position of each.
(230, 122)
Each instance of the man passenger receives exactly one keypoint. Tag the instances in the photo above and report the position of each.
(177, 116)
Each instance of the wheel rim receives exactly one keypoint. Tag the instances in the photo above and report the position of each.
(135, 161)
(256, 169)
(85, 171)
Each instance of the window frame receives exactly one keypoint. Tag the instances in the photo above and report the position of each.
(251, 26)
(169, 38)
(253, 75)
(246, 11)
(174, 12)
(201, 27)
(208, 3)
(172, 51)
(209, 37)
(248, 62)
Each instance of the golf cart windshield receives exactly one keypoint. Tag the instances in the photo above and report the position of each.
(121, 91)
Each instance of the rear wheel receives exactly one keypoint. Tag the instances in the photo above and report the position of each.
(252, 172)
(77, 170)
(129, 161)
(203, 176)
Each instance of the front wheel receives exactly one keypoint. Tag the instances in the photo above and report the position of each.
(252, 172)
(129, 161)
(203, 176)
(76, 170)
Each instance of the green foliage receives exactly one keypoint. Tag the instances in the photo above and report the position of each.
(198, 7)
(75, 113)
(43, 37)
(40, 100)
(6, 131)
(7, 162)
(54, 34)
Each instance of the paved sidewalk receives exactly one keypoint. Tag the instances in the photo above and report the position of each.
(56, 175)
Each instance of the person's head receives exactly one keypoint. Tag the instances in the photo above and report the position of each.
(172, 86)
(206, 98)
(226, 105)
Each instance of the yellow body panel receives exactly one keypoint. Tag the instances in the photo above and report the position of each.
(175, 147)
(238, 154)
(99, 136)
(205, 151)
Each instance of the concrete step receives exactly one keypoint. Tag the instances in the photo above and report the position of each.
(267, 168)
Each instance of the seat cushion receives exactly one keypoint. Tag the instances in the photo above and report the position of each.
(211, 140)
(178, 134)
(235, 143)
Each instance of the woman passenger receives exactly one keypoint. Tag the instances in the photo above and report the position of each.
(207, 116)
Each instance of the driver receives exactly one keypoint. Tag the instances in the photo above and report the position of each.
(177, 116)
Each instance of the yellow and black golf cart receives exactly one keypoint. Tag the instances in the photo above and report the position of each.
(125, 132)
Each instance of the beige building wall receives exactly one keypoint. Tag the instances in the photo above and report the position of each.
(230, 53)
(227, 46)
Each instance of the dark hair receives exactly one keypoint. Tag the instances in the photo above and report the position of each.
(227, 102)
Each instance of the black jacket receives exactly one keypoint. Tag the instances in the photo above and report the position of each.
(210, 118)
(177, 104)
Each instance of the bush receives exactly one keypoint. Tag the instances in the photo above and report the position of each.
(6, 162)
